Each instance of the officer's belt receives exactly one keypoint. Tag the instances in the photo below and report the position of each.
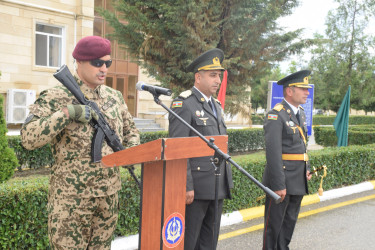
(295, 157)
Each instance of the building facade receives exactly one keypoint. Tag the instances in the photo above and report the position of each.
(38, 37)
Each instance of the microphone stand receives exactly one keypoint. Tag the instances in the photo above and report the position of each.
(219, 156)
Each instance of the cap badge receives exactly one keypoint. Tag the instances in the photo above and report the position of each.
(306, 80)
(216, 61)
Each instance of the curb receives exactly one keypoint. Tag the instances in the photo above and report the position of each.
(131, 242)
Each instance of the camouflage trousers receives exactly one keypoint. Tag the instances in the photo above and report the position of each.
(82, 223)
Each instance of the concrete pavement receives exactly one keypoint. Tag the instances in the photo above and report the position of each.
(131, 242)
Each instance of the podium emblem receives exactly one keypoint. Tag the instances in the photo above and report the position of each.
(173, 230)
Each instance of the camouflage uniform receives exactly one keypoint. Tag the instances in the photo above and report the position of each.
(78, 187)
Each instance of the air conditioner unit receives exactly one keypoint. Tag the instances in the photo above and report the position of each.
(17, 102)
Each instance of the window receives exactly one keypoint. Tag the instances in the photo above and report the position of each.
(48, 45)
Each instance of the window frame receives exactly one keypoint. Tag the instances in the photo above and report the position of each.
(49, 35)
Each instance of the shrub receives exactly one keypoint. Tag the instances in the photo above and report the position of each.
(353, 119)
(8, 159)
(23, 202)
(345, 166)
(33, 159)
(357, 135)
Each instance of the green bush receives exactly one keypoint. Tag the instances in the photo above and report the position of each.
(353, 119)
(240, 140)
(151, 136)
(8, 160)
(357, 135)
(244, 140)
(257, 119)
(346, 166)
(33, 159)
(23, 214)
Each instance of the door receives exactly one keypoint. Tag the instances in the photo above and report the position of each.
(126, 85)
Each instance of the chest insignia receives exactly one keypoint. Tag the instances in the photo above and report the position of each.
(204, 120)
(199, 113)
(108, 104)
(291, 123)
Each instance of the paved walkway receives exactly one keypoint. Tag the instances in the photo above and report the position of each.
(131, 242)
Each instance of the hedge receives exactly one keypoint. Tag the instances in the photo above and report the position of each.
(356, 160)
(325, 120)
(357, 135)
(24, 219)
(239, 140)
(8, 158)
(353, 119)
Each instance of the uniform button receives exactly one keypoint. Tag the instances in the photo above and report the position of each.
(198, 168)
(283, 167)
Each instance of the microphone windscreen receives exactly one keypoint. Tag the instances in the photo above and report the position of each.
(139, 85)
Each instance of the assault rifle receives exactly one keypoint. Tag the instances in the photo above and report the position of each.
(102, 128)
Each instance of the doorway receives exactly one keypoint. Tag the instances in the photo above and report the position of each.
(126, 85)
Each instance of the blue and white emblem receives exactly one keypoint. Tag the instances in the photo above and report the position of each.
(173, 230)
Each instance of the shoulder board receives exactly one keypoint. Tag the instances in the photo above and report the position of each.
(301, 107)
(278, 107)
(185, 94)
(216, 100)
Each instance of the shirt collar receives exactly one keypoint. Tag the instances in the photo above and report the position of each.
(204, 96)
(89, 92)
(294, 108)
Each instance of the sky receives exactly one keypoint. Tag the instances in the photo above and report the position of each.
(310, 15)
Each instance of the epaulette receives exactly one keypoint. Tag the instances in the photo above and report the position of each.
(186, 94)
(278, 107)
(216, 100)
(301, 107)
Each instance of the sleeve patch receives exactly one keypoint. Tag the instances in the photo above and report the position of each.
(176, 104)
(272, 117)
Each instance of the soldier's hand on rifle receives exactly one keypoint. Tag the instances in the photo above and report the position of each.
(81, 113)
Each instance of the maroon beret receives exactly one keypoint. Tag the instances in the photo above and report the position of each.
(92, 47)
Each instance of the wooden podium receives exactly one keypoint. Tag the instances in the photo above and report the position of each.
(164, 161)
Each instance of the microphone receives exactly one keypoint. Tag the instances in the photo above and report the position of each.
(153, 89)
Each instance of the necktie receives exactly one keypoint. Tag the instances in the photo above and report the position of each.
(297, 115)
(212, 107)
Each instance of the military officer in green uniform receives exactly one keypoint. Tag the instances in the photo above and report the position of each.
(198, 108)
(287, 170)
(82, 198)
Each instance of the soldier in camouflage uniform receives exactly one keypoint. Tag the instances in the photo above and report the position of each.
(83, 196)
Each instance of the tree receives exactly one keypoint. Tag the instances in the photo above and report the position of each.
(164, 36)
(8, 158)
(345, 59)
(259, 91)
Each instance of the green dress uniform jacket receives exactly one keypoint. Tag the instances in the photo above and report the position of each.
(282, 136)
(194, 109)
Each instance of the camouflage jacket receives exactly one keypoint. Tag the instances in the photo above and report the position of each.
(73, 173)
